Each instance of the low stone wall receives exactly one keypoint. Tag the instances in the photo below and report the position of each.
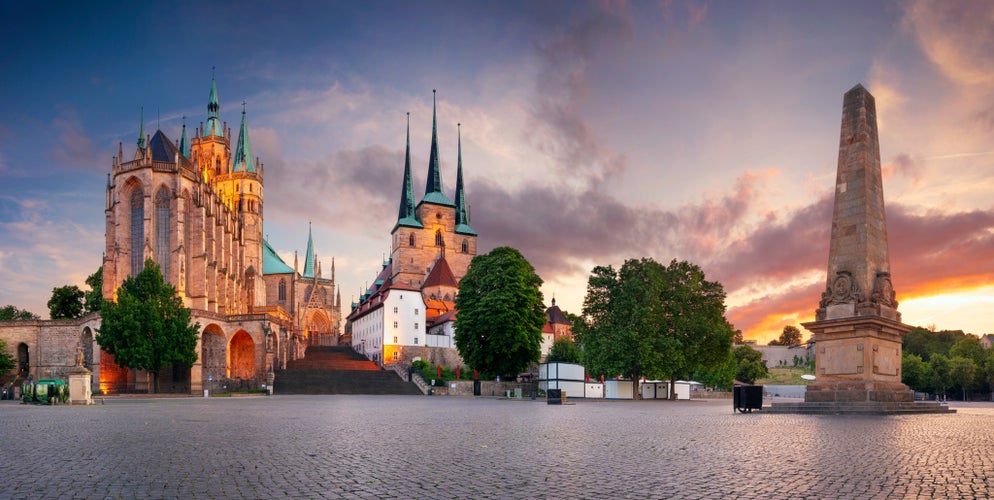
(710, 394)
(488, 388)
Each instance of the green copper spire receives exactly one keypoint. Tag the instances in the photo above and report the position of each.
(407, 216)
(213, 112)
(309, 258)
(141, 131)
(243, 153)
(433, 188)
(462, 215)
(184, 143)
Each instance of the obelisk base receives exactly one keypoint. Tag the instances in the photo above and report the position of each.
(858, 359)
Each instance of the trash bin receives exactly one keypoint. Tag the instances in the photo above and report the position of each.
(746, 398)
(554, 396)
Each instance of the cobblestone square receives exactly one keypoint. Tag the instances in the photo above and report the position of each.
(434, 447)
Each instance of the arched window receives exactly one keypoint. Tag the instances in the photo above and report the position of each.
(282, 295)
(410, 240)
(465, 246)
(137, 230)
(162, 230)
(187, 222)
(439, 242)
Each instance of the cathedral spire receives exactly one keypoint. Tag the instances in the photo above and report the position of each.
(243, 152)
(407, 216)
(433, 188)
(213, 112)
(184, 143)
(309, 257)
(141, 130)
(462, 215)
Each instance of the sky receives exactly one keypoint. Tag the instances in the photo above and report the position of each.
(592, 133)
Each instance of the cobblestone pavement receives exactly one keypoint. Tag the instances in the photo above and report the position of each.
(436, 447)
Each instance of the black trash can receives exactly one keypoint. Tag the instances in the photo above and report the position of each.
(554, 396)
(746, 398)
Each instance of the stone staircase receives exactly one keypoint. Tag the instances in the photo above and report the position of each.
(338, 370)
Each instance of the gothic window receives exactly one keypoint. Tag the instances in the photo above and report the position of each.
(439, 242)
(465, 246)
(162, 230)
(282, 292)
(187, 222)
(410, 240)
(137, 230)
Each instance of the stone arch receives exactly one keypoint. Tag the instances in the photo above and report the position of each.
(23, 360)
(213, 356)
(241, 356)
(86, 342)
(316, 324)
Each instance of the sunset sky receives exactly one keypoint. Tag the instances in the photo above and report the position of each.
(592, 132)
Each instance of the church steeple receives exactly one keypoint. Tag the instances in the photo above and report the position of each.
(141, 130)
(407, 216)
(433, 188)
(462, 215)
(243, 152)
(184, 143)
(310, 257)
(213, 112)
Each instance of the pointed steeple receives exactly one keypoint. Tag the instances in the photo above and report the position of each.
(184, 143)
(309, 257)
(213, 112)
(141, 130)
(407, 216)
(243, 152)
(462, 215)
(433, 188)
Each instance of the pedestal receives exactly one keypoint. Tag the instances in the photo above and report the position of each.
(858, 359)
(79, 386)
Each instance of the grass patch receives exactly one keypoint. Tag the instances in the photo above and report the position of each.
(785, 376)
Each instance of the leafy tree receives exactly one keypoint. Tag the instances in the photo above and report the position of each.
(148, 328)
(962, 372)
(94, 297)
(563, 350)
(646, 319)
(925, 343)
(940, 367)
(501, 313)
(791, 335)
(737, 337)
(66, 302)
(7, 361)
(749, 364)
(915, 372)
(11, 313)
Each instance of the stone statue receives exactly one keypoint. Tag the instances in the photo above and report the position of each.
(79, 356)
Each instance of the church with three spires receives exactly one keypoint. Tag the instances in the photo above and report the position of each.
(195, 207)
(408, 311)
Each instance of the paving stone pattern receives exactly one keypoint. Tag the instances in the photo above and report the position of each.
(432, 447)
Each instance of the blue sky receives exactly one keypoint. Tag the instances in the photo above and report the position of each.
(592, 132)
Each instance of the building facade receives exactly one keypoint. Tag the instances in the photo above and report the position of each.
(413, 296)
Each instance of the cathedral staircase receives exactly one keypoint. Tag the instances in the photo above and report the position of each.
(338, 370)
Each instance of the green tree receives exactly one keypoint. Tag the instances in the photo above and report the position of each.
(11, 313)
(148, 328)
(940, 367)
(501, 313)
(791, 335)
(749, 364)
(7, 361)
(563, 350)
(646, 319)
(66, 302)
(915, 372)
(962, 372)
(94, 297)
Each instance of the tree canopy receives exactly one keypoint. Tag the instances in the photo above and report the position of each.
(939, 361)
(646, 319)
(749, 364)
(501, 313)
(148, 327)
(7, 361)
(94, 297)
(563, 350)
(66, 302)
(791, 335)
(12, 313)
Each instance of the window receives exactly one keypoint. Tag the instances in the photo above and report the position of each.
(137, 230)
(465, 246)
(410, 240)
(282, 293)
(439, 242)
(396, 355)
(395, 338)
(395, 310)
(162, 231)
(415, 341)
(395, 326)
(415, 327)
(415, 312)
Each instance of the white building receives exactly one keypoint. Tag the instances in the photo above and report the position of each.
(388, 318)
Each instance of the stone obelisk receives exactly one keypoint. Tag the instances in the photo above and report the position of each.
(857, 329)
